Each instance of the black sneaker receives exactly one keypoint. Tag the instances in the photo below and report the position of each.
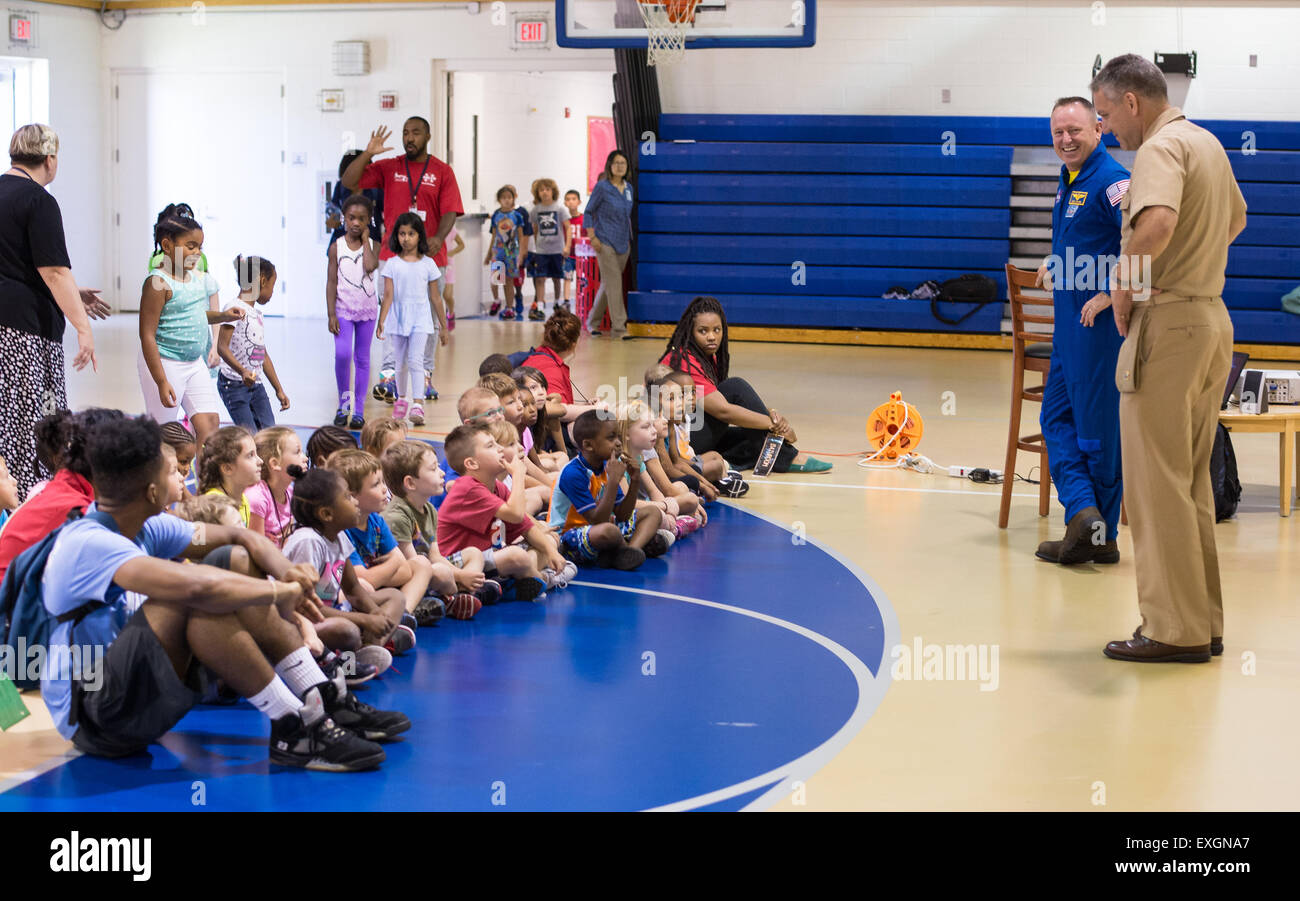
(489, 592)
(360, 718)
(732, 486)
(529, 589)
(430, 610)
(311, 740)
(628, 557)
(357, 422)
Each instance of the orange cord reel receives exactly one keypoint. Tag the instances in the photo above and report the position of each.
(894, 428)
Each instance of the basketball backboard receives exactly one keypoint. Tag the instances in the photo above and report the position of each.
(718, 23)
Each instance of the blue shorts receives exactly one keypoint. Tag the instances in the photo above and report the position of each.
(546, 265)
(574, 543)
(570, 267)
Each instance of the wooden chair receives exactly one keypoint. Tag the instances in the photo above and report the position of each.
(1031, 352)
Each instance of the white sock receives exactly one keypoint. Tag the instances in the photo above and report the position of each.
(300, 672)
(276, 700)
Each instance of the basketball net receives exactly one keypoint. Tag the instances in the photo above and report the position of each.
(666, 23)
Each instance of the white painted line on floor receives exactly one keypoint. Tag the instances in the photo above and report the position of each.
(996, 495)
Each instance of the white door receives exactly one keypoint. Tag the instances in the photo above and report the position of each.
(221, 150)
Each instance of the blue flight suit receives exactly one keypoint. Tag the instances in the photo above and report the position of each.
(1080, 412)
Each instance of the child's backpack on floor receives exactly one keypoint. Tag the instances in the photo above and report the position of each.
(1223, 476)
(28, 623)
(971, 288)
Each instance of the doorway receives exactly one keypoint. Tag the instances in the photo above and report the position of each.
(223, 154)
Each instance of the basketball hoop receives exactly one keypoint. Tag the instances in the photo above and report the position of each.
(667, 21)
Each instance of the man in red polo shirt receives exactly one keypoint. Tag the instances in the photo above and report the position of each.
(413, 183)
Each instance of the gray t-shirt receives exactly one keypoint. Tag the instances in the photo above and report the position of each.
(549, 224)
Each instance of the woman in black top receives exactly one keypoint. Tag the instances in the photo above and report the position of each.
(38, 295)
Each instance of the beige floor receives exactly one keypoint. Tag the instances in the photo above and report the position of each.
(1063, 717)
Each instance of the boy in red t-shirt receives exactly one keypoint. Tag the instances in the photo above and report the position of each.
(573, 201)
(479, 512)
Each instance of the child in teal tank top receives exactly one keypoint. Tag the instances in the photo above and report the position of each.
(174, 331)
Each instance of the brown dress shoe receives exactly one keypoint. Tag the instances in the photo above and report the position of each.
(1143, 650)
(1051, 552)
(1216, 644)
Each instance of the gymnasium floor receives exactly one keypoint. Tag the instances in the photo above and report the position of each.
(771, 632)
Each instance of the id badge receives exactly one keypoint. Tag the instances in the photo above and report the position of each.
(419, 212)
(767, 456)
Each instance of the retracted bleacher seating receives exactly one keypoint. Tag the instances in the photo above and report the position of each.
(804, 221)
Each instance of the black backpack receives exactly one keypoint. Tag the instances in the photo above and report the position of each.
(1223, 476)
(971, 288)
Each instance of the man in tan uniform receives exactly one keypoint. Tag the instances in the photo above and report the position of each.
(1182, 210)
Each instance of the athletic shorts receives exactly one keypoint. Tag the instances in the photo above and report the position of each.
(569, 267)
(196, 389)
(546, 265)
(457, 560)
(575, 543)
(141, 698)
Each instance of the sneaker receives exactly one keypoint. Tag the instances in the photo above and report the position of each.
(463, 606)
(400, 409)
(403, 641)
(628, 557)
(495, 308)
(357, 422)
(529, 589)
(430, 392)
(660, 543)
(386, 388)
(410, 621)
(374, 655)
(416, 414)
(732, 486)
(312, 740)
(341, 416)
(686, 525)
(354, 673)
(451, 322)
(430, 610)
(562, 578)
(536, 314)
(360, 718)
(507, 315)
(489, 592)
(595, 333)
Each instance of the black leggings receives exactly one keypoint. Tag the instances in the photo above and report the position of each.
(738, 446)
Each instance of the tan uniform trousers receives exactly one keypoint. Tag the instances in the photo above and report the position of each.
(610, 292)
(1173, 368)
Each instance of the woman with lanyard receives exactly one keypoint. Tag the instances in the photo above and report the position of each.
(38, 296)
(608, 220)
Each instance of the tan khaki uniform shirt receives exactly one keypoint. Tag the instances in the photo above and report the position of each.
(1184, 167)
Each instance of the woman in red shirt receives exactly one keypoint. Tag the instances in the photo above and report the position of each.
(736, 421)
(559, 344)
(60, 442)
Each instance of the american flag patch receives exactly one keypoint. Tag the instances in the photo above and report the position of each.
(1115, 193)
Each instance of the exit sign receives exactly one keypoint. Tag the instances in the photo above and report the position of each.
(531, 31)
(22, 29)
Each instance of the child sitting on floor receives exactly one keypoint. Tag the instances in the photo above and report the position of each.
(325, 510)
(326, 440)
(636, 429)
(230, 466)
(270, 500)
(379, 433)
(479, 512)
(181, 440)
(597, 522)
(507, 437)
(375, 556)
(8, 493)
(412, 474)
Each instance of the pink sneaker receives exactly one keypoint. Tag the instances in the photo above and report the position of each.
(417, 414)
(686, 525)
(451, 322)
(400, 410)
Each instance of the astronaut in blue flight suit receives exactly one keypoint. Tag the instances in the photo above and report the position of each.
(1080, 411)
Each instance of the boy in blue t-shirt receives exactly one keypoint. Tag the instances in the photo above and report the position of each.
(598, 523)
(510, 266)
(149, 677)
(377, 559)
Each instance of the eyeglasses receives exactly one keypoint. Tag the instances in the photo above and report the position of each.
(488, 414)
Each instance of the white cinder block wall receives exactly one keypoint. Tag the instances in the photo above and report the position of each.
(872, 57)
(999, 59)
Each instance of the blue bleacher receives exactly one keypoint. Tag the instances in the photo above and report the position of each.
(744, 207)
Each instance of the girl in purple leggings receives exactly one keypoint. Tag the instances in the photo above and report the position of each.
(352, 305)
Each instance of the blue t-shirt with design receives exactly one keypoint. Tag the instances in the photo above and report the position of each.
(372, 542)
